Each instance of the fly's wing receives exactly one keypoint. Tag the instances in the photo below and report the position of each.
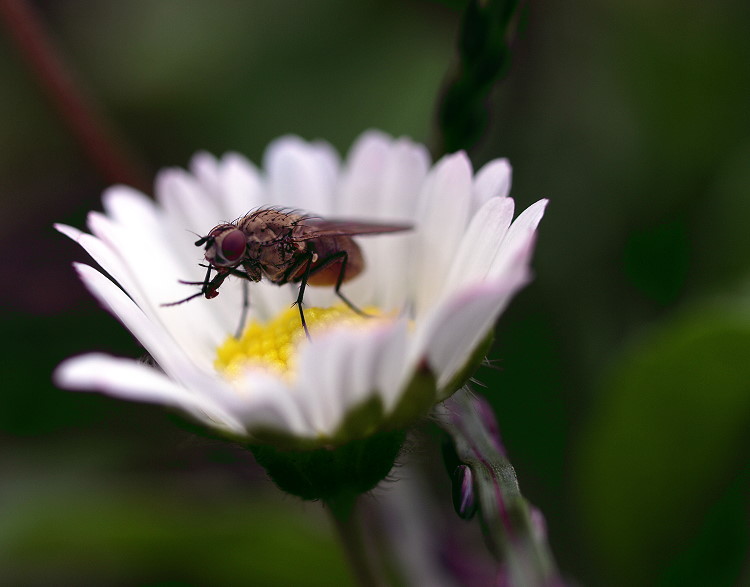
(311, 228)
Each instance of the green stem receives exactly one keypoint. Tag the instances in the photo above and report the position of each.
(346, 522)
(487, 31)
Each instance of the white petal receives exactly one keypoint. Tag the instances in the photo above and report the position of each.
(481, 243)
(301, 175)
(443, 215)
(518, 243)
(154, 275)
(492, 181)
(451, 334)
(193, 371)
(256, 406)
(205, 167)
(343, 368)
(129, 212)
(153, 229)
(405, 170)
(380, 183)
(101, 253)
(359, 184)
(381, 178)
(391, 372)
(241, 186)
(150, 334)
(106, 232)
(69, 231)
(128, 379)
(321, 381)
(392, 256)
(268, 299)
(187, 205)
(263, 401)
(369, 363)
(233, 182)
(329, 163)
(128, 207)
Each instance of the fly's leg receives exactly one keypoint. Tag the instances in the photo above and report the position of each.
(204, 284)
(209, 287)
(245, 306)
(244, 275)
(344, 257)
(307, 260)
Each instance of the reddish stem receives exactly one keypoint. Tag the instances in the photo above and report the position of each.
(25, 29)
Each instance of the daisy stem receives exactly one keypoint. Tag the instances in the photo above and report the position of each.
(343, 513)
(26, 30)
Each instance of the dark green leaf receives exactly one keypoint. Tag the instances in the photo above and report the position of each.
(670, 430)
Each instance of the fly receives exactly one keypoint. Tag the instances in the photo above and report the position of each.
(284, 247)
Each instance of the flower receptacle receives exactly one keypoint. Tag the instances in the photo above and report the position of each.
(329, 473)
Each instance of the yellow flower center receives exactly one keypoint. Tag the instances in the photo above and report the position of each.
(272, 345)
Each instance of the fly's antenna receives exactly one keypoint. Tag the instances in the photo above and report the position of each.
(201, 239)
(204, 240)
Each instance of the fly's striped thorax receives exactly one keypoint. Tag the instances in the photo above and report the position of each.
(268, 225)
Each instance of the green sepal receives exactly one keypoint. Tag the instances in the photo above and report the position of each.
(361, 421)
(329, 473)
(260, 436)
(416, 400)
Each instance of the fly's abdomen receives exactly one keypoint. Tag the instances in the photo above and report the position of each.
(331, 252)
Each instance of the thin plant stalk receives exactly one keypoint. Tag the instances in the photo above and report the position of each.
(343, 513)
(84, 121)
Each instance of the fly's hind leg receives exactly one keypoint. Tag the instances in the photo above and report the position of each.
(344, 257)
(308, 261)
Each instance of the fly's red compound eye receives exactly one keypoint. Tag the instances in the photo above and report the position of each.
(233, 245)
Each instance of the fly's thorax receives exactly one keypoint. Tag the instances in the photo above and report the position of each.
(279, 258)
(268, 225)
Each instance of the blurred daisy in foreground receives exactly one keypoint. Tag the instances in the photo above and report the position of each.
(432, 294)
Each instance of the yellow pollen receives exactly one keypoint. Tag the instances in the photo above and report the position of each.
(271, 346)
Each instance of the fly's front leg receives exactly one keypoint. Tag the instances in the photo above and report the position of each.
(243, 313)
(247, 276)
(245, 302)
(204, 284)
(209, 287)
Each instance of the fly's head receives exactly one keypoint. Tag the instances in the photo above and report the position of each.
(225, 246)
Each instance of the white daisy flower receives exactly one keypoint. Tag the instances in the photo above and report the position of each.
(435, 291)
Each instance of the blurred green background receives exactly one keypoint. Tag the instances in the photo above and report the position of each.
(623, 392)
